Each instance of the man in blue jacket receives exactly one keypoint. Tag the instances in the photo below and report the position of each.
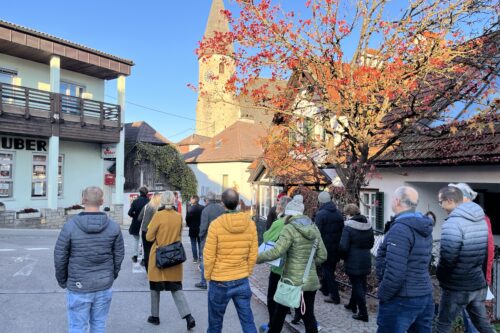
(87, 258)
(405, 289)
(461, 269)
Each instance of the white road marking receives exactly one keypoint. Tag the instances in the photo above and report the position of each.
(37, 248)
(137, 268)
(26, 270)
(7, 250)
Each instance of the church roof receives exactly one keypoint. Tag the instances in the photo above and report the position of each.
(217, 23)
(240, 142)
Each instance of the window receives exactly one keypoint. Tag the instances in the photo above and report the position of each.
(225, 182)
(221, 68)
(6, 166)
(372, 206)
(265, 201)
(7, 75)
(71, 89)
(39, 176)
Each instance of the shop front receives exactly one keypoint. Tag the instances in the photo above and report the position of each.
(24, 172)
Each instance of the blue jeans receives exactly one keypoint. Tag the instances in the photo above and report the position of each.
(202, 269)
(468, 325)
(88, 308)
(406, 314)
(452, 305)
(219, 295)
(195, 247)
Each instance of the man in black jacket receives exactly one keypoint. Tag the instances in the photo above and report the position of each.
(135, 226)
(330, 223)
(193, 219)
(87, 258)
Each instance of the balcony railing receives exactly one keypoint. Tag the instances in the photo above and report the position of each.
(53, 105)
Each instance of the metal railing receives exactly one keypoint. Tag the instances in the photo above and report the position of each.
(34, 99)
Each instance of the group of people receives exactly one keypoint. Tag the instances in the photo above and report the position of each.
(405, 291)
(225, 244)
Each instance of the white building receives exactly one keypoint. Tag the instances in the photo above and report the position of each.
(54, 123)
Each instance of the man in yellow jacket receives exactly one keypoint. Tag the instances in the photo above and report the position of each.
(229, 257)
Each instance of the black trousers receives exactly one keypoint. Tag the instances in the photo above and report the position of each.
(280, 312)
(329, 284)
(271, 289)
(147, 249)
(358, 294)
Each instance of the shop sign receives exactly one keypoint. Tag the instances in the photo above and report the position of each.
(108, 151)
(22, 144)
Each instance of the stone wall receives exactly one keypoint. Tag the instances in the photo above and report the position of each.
(50, 218)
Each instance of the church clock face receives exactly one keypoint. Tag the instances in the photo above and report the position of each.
(209, 76)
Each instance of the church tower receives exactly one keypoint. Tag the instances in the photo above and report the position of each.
(216, 109)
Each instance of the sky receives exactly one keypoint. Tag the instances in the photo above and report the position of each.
(160, 36)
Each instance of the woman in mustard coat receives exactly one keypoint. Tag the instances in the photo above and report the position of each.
(166, 228)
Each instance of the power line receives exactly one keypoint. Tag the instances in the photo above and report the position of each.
(160, 111)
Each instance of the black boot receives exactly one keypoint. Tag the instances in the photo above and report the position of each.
(350, 307)
(190, 321)
(296, 318)
(154, 320)
(359, 316)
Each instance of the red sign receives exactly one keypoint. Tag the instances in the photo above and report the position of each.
(109, 179)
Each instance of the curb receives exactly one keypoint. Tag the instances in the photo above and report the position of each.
(261, 297)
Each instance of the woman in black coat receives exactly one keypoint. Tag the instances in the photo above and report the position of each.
(135, 227)
(355, 244)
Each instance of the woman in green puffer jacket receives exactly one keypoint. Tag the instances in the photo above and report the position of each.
(295, 242)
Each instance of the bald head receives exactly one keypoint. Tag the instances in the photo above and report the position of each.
(405, 198)
(92, 197)
(230, 199)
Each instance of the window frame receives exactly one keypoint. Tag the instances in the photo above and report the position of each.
(60, 175)
(225, 182)
(10, 179)
(72, 84)
(369, 208)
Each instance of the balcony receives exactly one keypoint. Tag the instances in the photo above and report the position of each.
(33, 112)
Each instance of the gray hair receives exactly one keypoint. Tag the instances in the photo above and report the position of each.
(168, 199)
(403, 195)
(92, 196)
(467, 191)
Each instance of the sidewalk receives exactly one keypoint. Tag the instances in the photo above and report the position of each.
(332, 318)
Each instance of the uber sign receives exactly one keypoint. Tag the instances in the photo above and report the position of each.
(23, 144)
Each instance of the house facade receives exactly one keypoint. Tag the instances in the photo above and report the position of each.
(429, 163)
(223, 161)
(56, 130)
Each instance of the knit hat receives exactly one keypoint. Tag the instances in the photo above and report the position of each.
(466, 190)
(324, 197)
(296, 206)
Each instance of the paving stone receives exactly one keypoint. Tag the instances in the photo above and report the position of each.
(332, 318)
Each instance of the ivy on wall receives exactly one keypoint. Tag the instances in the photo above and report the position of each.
(168, 161)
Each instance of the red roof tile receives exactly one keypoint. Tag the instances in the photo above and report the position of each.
(240, 142)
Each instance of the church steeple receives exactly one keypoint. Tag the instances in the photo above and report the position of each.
(217, 22)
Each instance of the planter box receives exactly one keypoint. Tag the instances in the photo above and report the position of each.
(29, 215)
(73, 211)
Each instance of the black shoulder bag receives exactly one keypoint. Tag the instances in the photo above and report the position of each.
(170, 255)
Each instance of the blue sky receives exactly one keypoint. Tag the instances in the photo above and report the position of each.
(159, 36)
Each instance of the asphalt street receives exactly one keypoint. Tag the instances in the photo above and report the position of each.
(32, 302)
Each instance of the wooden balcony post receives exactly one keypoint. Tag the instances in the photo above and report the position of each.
(81, 108)
(101, 116)
(1, 99)
(26, 103)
